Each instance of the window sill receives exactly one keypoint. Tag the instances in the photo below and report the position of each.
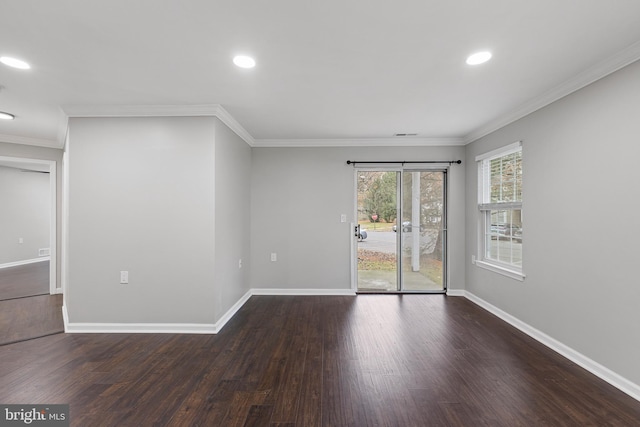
(517, 275)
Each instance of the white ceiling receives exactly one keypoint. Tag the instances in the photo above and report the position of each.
(327, 70)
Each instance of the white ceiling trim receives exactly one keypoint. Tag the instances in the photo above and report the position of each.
(26, 164)
(233, 124)
(360, 142)
(63, 127)
(25, 140)
(140, 110)
(600, 70)
(213, 110)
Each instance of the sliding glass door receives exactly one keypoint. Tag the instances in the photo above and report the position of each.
(423, 231)
(377, 247)
(401, 231)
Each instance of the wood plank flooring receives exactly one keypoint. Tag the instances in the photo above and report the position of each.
(370, 360)
(31, 317)
(24, 280)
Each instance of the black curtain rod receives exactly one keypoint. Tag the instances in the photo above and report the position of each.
(353, 162)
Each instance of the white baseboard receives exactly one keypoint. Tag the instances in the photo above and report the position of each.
(576, 357)
(65, 318)
(24, 262)
(455, 292)
(231, 312)
(140, 328)
(152, 328)
(303, 292)
(136, 328)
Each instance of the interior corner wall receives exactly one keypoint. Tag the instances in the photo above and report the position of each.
(50, 154)
(297, 198)
(232, 218)
(25, 214)
(580, 222)
(141, 199)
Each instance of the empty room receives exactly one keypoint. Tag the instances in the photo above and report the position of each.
(242, 213)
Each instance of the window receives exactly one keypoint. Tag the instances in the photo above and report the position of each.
(500, 210)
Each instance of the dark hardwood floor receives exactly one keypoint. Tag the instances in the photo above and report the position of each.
(370, 360)
(26, 309)
(32, 317)
(24, 280)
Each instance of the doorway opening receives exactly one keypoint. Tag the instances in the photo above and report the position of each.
(401, 231)
(29, 253)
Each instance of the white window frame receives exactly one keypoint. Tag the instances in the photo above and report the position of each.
(484, 205)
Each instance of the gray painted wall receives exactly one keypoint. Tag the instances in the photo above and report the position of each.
(25, 213)
(141, 198)
(297, 197)
(41, 153)
(581, 202)
(232, 217)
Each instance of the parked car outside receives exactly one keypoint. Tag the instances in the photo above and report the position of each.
(507, 230)
(406, 227)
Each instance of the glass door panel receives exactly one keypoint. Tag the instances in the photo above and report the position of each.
(377, 246)
(423, 228)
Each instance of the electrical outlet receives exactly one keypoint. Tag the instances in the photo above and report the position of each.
(343, 218)
(124, 277)
(240, 263)
(274, 256)
(20, 240)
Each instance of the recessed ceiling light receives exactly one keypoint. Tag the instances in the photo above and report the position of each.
(244, 61)
(15, 63)
(6, 116)
(479, 58)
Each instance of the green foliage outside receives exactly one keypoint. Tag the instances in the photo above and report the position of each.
(381, 198)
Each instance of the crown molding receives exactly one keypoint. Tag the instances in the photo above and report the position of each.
(63, 128)
(226, 118)
(360, 142)
(600, 70)
(140, 110)
(26, 140)
(212, 110)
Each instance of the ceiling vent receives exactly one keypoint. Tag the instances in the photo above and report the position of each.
(405, 134)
